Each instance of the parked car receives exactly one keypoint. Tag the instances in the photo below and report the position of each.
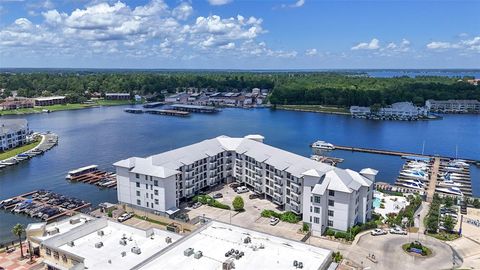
(241, 189)
(196, 205)
(183, 217)
(235, 185)
(274, 221)
(125, 216)
(217, 195)
(398, 230)
(378, 232)
(254, 196)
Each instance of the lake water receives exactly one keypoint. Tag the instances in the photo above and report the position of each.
(105, 135)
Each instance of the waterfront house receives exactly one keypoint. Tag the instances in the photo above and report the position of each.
(48, 101)
(325, 196)
(453, 106)
(17, 103)
(13, 133)
(117, 96)
(396, 111)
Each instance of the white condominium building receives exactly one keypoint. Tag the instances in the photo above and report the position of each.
(326, 196)
(453, 106)
(13, 133)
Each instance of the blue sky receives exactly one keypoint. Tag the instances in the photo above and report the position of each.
(238, 34)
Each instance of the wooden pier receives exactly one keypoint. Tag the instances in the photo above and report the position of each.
(432, 184)
(398, 153)
(168, 112)
(96, 178)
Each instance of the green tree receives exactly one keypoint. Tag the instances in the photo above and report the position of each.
(18, 230)
(238, 203)
(448, 223)
(432, 223)
(448, 201)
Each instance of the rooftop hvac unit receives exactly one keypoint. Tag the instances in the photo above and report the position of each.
(228, 264)
(99, 244)
(168, 240)
(198, 255)
(247, 240)
(74, 221)
(100, 233)
(71, 244)
(188, 252)
(300, 265)
(136, 250)
(123, 242)
(53, 231)
(123, 253)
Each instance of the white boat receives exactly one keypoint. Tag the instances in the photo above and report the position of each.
(415, 174)
(454, 169)
(453, 176)
(458, 163)
(451, 190)
(417, 164)
(449, 183)
(323, 145)
(413, 181)
(81, 171)
(411, 185)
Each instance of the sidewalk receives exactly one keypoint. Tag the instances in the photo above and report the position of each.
(11, 261)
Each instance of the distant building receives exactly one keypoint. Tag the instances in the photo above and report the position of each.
(399, 111)
(256, 91)
(47, 101)
(474, 81)
(453, 106)
(181, 97)
(13, 133)
(117, 96)
(17, 103)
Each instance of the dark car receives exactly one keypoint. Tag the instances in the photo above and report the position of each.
(254, 196)
(235, 185)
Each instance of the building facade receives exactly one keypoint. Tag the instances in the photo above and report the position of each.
(159, 183)
(453, 106)
(117, 96)
(399, 110)
(17, 103)
(48, 101)
(13, 133)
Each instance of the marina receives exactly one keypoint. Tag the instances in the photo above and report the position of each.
(43, 204)
(194, 108)
(48, 141)
(92, 175)
(158, 111)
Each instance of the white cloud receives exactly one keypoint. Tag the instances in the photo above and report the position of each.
(219, 2)
(372, 45)
(297, 4)
(311, 52)
(183, 11)
(467, 45)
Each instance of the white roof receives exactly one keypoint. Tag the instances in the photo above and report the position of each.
(49, 98)
(369, 171)
(64, 225)
(217, 238)
(341, 180)
(109, 256)
(82, 169)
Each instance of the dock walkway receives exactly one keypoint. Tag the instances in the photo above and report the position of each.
(433, 179)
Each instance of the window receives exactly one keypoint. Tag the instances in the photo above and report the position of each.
(146, 177)
(139, 202)
(156, 191)
(137, 184)
(155, 183)
(317, 210)
(137, 175)
(146, 186)
(317, 199)
(138, 193)
(316, 220)
(148, 205)
(330, 223)
(146, 195)
(156, 201)
(330, 213)
(311, 210)
(331, 192)
(331, 203)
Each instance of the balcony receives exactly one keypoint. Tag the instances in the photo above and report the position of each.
(278, 178)
(258, 170)
(277, 200)
(279, 191)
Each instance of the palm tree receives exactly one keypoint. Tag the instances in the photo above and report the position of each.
(18, 230)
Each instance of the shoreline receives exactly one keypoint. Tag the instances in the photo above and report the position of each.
(57, 108)
(286, 108)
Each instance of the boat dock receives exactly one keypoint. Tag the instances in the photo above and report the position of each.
(193, 108)
(133, 110)
(48, 141)
(168, 112)
(153, 105)
(45, 205)
(327, 160)
(397, 153)
(96, 177)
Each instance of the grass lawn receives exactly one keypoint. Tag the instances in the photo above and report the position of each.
(151, 220)
(315, 108)
(64, 107)
(18, 150)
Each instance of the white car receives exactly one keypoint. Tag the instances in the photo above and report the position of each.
(242, 189)
(274, 221)
(378, 232)
(398, 230)
(124, 216)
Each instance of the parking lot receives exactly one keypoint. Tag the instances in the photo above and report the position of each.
(250, 218)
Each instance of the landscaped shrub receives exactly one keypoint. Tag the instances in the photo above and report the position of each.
(205, 199)
(337, 257)
(287, 216)
(305, 227)
(238, 203)
(329, 232)
(341, 235)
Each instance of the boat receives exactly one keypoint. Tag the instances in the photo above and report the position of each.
(412, 181)
(454, 169)
(453, 176)
(411, 185)
(458, 163)
(451, 190)
(449, 183)
(415, 174)
(323, 145)
(80, 171)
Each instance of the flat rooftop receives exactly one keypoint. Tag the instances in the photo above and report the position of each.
(109, 256)
(216, 238)
(60, 227)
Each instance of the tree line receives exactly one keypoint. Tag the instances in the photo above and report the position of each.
(292, 88)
